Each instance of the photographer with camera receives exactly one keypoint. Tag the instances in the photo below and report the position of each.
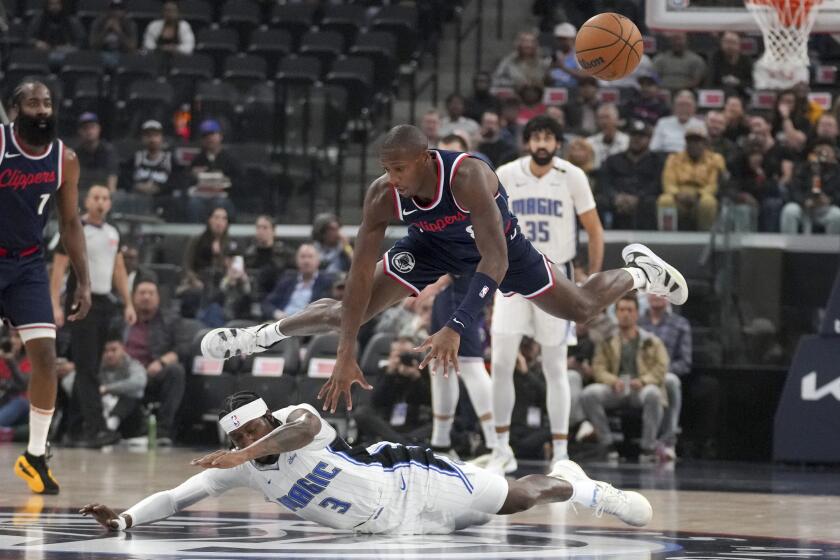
(14, 404)
(815, 193)
(400, 408)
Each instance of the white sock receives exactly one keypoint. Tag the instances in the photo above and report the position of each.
(480, 389)
(502, 440)
(558, 395)
(445, 393)
(640, 279)
(112, 422)
(274, 335)
(583, 492)
(561, 449)
(39, 429)
(504, 352)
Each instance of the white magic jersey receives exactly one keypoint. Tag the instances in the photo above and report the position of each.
(383, 488)
(546, 207)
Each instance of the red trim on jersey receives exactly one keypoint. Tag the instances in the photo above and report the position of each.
(22, 253)
(390, 274)
(396, 203)
(551, 281)
(439, 193)
(24, 152)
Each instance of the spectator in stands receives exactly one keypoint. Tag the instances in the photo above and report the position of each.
(206, 256)
(826, 130)
(690, 181)
(298, 288)
(755, 184)
(455, 119)
(508, 117)
(532, 103)
(400, 407)
(122, 381)
(113, 32)
(609, 140)
(236, 290)
(564, 70)
(647, 105)
(170, 34)
(629, 371)
(98, 161)
(669, 132)
(815, 193)
(581, 108)
(338, 287)
(266, 257)
(133, 268)
(730, 70)
(336, 252)
(482, 99)
(410, 318)
(154, 172)
(430, 125)
(778, 160)
(14, 369)
(523, 66)
(215, 171)
(811, 109)
(737, 123)
(675, 333)
(718, 142)
(499, 148)
(152, 342)
(56, 31)
(630, 182)
(791, 124)
(581, 154)
(529, 430)
(679, 68)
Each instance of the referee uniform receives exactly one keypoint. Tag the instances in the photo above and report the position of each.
(88, 336)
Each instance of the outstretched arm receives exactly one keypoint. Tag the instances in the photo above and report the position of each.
(72, 234)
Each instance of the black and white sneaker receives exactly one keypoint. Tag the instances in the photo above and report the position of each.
(663, 279)
(226, 342)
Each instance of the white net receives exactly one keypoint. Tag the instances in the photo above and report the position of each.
(785, 26)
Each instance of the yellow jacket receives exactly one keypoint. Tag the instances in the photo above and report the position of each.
(701, 177)
(651, 361)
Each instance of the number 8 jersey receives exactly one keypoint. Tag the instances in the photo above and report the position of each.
(27, 182)
(546, 206)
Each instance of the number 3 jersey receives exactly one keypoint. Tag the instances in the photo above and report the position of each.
(547, 206)
(27, 182)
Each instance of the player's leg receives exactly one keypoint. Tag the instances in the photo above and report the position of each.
(480, 389)
(445, 393)
(558, 397)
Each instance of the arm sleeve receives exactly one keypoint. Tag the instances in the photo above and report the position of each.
(580, 190)
(211, 482)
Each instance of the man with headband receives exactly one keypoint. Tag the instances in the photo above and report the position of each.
(296, 459)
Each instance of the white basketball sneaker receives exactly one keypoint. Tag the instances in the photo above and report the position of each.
(226, 343)
(502, 461)
(631, 507)
(663, 279)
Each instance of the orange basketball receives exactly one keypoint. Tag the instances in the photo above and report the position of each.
(609, 46)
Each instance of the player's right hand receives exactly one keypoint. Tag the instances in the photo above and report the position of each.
(81, 304)
(345, 373)
(103, 515)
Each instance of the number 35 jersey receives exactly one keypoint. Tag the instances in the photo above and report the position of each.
(547, 206)
(27, 182)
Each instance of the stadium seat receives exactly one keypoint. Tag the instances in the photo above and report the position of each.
(244, 71)
(288, 349)
(294, 18)
(81, 64)
(132, 67)
(185, 336)
(242, 15)
(142, 12)
(308, 389)
(271, 45)
(381, 48)
(218, 43)
(16, 35)
(185, 71)
(402, 21)
(30, 8)
(89, 10)
(255, 159)
(299, 70)
(378, 348)
(347, 19)
(11, 7)
(321, 346)
(356, 75)
(198, 13)
(214, 99)
(278, 392)
(23, 63)
(256, 123)
(325, 45)
(146, 99)
(87, 96)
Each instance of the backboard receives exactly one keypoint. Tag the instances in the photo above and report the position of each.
(723, 15)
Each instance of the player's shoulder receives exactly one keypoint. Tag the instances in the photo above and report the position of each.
(68, 154)
(283, 414)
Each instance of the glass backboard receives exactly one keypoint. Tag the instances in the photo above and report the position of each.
(720, 15)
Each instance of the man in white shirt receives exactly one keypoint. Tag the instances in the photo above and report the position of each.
(547, 194)
(669, 134)
(456, 121)
(296, 459)
(610, 140)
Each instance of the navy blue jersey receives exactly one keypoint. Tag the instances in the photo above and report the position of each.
(445, 225)
(27, 183)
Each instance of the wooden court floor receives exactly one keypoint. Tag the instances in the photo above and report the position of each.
(701, 510)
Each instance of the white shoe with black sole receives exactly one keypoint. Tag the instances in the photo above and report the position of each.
(226, 342)
(663, 279)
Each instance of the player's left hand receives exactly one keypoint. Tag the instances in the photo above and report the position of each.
(81, 303)
(223, 459)
(443, 349)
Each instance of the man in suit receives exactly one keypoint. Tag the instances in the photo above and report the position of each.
(297, 289)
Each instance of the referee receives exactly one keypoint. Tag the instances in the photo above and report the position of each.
(88, 336)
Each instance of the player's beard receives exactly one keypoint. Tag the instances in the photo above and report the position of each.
(36, 131)
(542, 157)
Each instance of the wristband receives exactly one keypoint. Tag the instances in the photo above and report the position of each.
(481, 286)
(121, 523)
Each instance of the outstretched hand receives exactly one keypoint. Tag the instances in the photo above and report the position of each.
(223, 459)
(103, 515)
(443, 349)
(345, 373)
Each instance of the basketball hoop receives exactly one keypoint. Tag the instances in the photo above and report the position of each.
(785, 26)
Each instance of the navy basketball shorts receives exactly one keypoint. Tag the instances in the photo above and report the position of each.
(416, 264)
(445, 305)
(25, 296)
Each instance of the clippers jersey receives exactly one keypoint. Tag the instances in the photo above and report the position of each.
(27, 183)
(443, 224)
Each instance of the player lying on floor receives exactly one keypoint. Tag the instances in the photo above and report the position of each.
(296, 459)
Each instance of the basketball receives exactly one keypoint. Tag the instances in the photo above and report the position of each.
(609, 46)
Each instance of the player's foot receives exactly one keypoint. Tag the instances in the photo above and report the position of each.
(35, 472)
(631, 507)
(226, 342)
(502, 461)
(663, 279)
